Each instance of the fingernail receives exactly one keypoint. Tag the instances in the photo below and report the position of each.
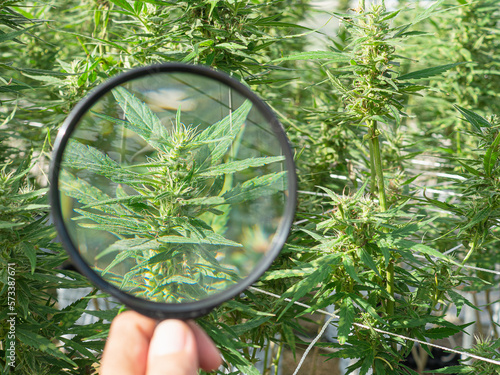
(170, 337)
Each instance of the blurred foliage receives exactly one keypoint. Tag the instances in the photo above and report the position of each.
(485, 348)
(467, 33)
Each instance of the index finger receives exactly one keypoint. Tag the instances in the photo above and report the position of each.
(127, 346)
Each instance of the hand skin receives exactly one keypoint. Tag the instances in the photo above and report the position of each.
(138, 346)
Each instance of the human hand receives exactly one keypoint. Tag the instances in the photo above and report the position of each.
(138, 346)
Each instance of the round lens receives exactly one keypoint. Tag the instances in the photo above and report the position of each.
(173, 185)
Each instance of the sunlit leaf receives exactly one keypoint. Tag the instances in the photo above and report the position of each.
(81, 156)
(256, 187)
(474, 119)
(34, 340)
(235, 166)
(142, 119)
(315, 55)
(429, 72)
(346, 318)
(491, 157)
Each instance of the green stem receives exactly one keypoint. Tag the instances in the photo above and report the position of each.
(277, 358)
(373, 173)
(473, 247)
(479, 323)
(457, 141)
(377, 161)
(267, 367)
(389, 273)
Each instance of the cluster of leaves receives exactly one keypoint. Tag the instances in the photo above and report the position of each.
(480, 209)
(484, 348)
(383, 275)
(229, 35)
(30, 260)
(27, 245)
(355, 246)
(82, 44)
(370, 81)
(162, 209)
(473, 219)
(364, 83)
(476, 225)
(467, 33)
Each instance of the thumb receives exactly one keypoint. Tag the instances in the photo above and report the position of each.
(172, 350)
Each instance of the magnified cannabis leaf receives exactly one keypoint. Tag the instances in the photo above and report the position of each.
(163, 221)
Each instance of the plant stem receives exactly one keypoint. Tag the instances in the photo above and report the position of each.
(479, 325)
(379, 174)
(373, 173)
(278, 357)
(377, 161)
(471, 251)
(457, 141)
(267, 366)
(389, 274)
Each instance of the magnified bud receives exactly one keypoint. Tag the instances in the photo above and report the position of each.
(173, 188)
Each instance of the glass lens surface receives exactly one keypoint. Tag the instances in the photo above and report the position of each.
(173, 186)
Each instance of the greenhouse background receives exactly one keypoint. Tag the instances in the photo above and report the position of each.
(391, 266)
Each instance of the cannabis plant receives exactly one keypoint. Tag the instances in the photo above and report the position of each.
(466, 33)
(171, 214)
(473, 219)
(33, 324)
(82, 45)
(370, 237)
(484, 347)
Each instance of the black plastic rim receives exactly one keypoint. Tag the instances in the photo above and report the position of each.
(157, 310)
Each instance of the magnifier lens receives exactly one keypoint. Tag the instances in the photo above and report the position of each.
(173, 186)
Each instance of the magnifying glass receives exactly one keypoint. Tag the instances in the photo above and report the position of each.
(173, 188)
